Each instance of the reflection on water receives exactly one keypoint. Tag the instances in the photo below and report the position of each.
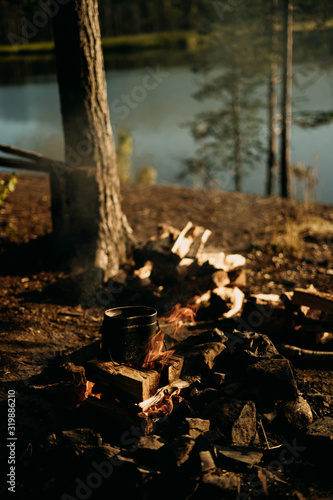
(155, 114)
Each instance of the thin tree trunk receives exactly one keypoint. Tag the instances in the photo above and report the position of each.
(286, 101)
(88, 223)
(237, 138)
(272, 103)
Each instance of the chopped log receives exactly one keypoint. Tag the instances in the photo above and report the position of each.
(191, 289)
(190, 241)
(140, 384)
(164, 230)
(171, 369)
(219, 260)
(237, 277)
(314, 299)
(237, 303)
(168, 389)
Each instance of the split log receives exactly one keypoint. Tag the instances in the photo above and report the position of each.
(157, 398)
(314, 299)
(219, 260)
(190, 240)
(171, 369)
(140, 384)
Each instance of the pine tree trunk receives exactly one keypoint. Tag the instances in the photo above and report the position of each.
(272, 103)
(286, 101)
(88, 223)
(237, 137)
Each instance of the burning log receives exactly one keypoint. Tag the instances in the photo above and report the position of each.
(161, 392)
(140, 384)
(170, 369)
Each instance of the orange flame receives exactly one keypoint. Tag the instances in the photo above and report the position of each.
(179, 314)
(154, 350)
(89, 389)
(164, 407)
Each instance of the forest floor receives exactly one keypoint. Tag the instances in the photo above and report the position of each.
(287, 244)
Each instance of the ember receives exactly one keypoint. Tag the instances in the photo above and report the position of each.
(89, 390)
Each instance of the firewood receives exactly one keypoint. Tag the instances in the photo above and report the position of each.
(219, 260)
(190, 241)
(140, 384)
(171, 369)
(314, 299)
(168, 389)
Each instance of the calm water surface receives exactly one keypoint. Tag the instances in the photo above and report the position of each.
(158, 107)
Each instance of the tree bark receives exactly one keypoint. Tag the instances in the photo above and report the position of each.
(272, 103)
(237, 138)
(286, 100)
(89, 226)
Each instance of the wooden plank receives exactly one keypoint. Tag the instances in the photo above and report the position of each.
(314, 299)
(140, 384)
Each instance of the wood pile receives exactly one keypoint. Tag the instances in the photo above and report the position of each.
(174, 267)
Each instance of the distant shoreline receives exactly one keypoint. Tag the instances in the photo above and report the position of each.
(181, 39)
(187, 40)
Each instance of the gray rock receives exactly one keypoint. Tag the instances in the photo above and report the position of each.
(298, 413)
(197, 426)
(236, 419)
(219, 484)
(320, 433)
(240, 454)
(176, 452)
(206, 461)
(275, 377)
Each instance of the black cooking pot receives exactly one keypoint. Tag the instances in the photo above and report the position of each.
(126, 331)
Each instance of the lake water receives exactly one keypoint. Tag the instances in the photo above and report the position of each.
(160, 103)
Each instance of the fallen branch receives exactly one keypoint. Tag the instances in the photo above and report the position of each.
(22, 165)
(297, 353)
(37, 161)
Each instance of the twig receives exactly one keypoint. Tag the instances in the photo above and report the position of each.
(263, 430)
